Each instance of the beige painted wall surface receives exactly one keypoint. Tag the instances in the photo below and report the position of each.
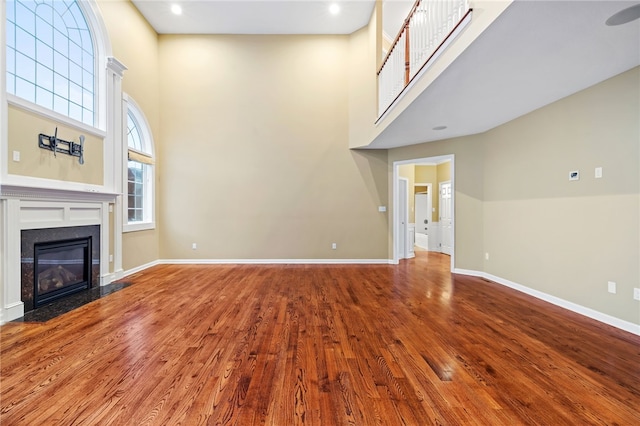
(23, 130)
(135, 44)
(469, 189)
(568, 238)
(256, 162)
(364, 57)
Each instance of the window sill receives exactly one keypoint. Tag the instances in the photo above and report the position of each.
(143, 226)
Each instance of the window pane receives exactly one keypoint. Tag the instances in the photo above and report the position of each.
(44, 98)
(25, 17)
(61, 65)
(44, 54)
(25, 43)
(11, 83)
(87, 116)
(75, 111)
(44, 31)
(25, 67)
(26, 90)
(44, 77)
(61, 43)
(11, 34)
(11, 60)
(61, 105)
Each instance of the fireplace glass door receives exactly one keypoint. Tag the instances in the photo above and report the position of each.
(61, 268)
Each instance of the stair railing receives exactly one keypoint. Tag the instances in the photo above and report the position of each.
(429, 25)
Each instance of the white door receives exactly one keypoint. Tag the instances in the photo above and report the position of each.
(402, 218)
(446, 216)
(423, 213)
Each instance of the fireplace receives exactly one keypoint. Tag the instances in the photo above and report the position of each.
(57, 262)
(60, 268)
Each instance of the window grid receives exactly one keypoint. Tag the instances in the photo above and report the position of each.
(49, 56)
(135, 183)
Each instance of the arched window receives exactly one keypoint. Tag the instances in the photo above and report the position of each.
(50, 57)
(140, 171)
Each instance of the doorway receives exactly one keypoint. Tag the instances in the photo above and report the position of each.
(401, 207)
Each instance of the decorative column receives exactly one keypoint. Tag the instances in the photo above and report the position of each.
(114, 155)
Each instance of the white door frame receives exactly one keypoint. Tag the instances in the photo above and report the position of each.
(395, 197)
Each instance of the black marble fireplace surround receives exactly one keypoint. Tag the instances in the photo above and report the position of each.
(32, 237)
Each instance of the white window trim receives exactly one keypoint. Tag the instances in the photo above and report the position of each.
(150, 197)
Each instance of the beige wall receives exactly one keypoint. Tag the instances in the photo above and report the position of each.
(23, 130)
(255, 152)
(515, 202)
(568, 238)
(364, 59)
(135, 44)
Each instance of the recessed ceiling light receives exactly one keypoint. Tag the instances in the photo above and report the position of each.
(176, 9)
(334, 8)
(625, 15)
(439, 127)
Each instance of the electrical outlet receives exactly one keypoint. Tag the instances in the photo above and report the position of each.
(334, 246)
(16, 156)
(486, 256)
(194, 246)
(611, 287)
(636, 293)
(110, 258)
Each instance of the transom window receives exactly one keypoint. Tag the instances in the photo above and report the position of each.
(140, 167)
(50, 57)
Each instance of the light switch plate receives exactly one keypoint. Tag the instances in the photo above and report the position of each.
(16, 156)
(598, 172)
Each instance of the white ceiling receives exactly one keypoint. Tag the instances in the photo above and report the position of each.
(535, 53)
(256, 16)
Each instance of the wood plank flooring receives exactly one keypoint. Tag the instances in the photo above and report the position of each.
(321, 345)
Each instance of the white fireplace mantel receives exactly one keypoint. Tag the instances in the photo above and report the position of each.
(30, 207)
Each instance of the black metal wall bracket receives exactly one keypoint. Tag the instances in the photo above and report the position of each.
(56, 145)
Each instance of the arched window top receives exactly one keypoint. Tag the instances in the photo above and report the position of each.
(52, 56)
(139, 136)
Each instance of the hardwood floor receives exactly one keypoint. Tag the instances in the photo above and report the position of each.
(315, 344)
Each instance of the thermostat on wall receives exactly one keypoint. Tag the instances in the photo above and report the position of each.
(574, 175)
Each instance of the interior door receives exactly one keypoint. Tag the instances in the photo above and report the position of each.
(422, 213)
(446, 218)
(402, 218)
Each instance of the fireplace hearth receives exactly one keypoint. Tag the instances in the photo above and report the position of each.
(58, 262)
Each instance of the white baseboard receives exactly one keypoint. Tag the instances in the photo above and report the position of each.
(275, 261)
(138, 269)
(11, 312)
(574, 307)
